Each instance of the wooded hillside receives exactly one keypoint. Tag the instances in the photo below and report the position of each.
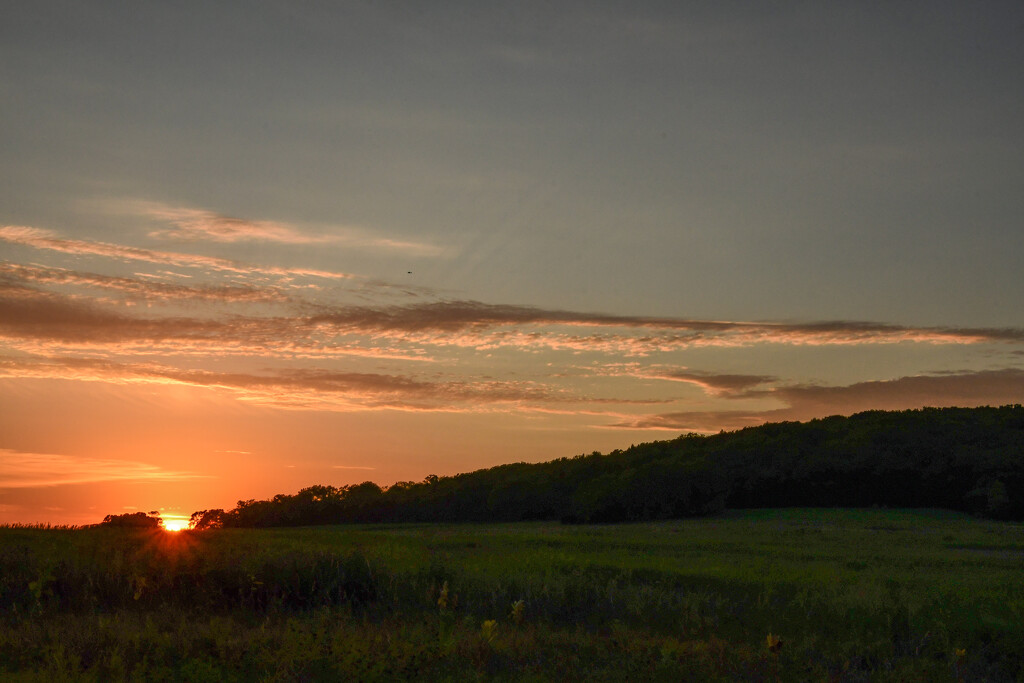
(968, 459)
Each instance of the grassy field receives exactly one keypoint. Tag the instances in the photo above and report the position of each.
(790, 595)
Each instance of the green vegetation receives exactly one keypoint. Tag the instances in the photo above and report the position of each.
(763, 594)
(757, 595)
(966, 459)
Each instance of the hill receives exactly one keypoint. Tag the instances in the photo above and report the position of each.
(966, 459)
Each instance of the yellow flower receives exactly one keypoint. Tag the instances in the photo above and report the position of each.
(774, 643)
(489, 629)
(442, 601)
(517, 611)
(140, 585)
(960, 653)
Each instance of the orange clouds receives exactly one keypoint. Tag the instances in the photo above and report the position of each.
(194, 225)
(42, 239)
(198, 224)
(473, 317)
(311, 348)
(29, 470)
(317, 389)
(140, 289)
(307, 320)
(28, 313)
(717, 384)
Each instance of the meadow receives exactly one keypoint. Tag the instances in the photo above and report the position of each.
(757, 595)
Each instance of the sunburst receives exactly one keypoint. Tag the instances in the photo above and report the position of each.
(175, 524)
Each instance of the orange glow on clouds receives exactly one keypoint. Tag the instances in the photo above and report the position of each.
(128, 385)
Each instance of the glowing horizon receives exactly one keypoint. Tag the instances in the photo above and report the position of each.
(175, 524)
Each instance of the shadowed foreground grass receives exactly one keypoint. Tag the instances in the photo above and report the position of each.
(790, 595)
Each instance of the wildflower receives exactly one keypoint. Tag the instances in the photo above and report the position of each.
(774, 644)
(960, 653)
(517, 611)
(140, 585)
(442, 601)
(488, 630)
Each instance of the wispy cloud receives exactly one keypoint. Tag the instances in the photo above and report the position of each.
(85, 326)
(27, 470)
(470, 317)
(141, 289)
(320, 389)
(986, 387)
(298, 388)
(807, 401)
(46, 322)
(714, 384)
(468, 323)
(43, 239)
(704, 421)
(199, 224)
(32, 314)
(187, 223)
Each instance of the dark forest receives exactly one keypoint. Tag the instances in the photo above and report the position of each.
(965, 459)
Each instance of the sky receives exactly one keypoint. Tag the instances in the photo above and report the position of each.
(250, 247)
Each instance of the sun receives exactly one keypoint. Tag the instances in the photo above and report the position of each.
(175, 524)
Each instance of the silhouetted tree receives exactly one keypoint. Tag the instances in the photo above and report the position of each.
(206, 519)
(134, 520)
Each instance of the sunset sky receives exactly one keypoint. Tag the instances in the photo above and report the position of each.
(250, 247)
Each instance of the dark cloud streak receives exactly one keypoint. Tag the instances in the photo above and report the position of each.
(46, 315)
(457, 316)
(808, 401)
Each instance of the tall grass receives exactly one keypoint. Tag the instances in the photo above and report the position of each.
(850, 595)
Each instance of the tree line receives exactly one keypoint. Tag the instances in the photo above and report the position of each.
(966, 459)
(134, 520)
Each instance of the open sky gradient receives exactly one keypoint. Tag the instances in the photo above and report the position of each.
(249, 247)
